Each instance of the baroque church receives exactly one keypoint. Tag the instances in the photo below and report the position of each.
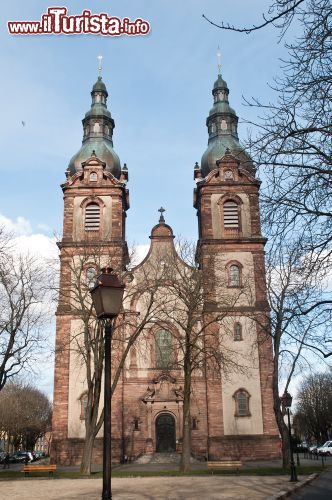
(231, 416)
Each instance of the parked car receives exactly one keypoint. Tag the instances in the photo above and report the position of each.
(16, 458)
(20, 457)
(302, 447)
(313, 449)
(326, 449)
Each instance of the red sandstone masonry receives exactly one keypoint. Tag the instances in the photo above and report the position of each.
(66, 450)
(127, 402)
(266, 445)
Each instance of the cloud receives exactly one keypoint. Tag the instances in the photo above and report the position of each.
(19, 227)
(24, 241)
(137, 254)
(37, 245)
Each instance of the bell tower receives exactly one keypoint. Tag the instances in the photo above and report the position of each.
(95, 203)
(240, 404)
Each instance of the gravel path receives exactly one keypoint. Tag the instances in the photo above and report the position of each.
(156, 488)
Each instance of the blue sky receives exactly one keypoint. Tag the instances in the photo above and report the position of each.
(159, 95)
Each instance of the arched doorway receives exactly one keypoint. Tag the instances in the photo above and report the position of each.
(165, 433)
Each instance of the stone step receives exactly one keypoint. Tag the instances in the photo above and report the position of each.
(161, 458)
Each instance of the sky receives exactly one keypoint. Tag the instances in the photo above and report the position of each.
(159, 95)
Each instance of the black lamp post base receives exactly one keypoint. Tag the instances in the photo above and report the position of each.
(293, 477)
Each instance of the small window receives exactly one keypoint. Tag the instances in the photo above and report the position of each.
(194, 425)
(231, 214)
(163, 350)
(238, 331)
(84, 405)
(93, 177)
(234, 275)
(136, 424)
(223, 125)
(92, 217)
(91, 276)
(241, 403)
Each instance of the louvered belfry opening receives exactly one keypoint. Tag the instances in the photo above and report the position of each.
(231, 215)
(92, 217)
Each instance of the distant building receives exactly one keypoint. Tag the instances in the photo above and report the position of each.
(231, 417)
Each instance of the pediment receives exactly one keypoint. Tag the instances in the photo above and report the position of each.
(93, 161)
(163, 388)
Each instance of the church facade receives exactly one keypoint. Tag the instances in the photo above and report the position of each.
(231, 414)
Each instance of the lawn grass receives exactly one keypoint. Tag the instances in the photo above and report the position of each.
(261, 471)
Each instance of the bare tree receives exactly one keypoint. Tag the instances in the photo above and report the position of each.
(280, 14)
(314, 407)
(23, 310)
(87, 344)
(298, 320)
(291, 141)
(291, 144)
(201, 336)
(25, 414)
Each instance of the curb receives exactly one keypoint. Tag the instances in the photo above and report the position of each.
(296, 487)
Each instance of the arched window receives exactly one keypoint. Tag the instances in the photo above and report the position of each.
(238, 331)
(194, 424)
(234, 275)
(163, 350)
(231, 215)
(241, 398)
(92, 217)
(93, 177)
(84, 404)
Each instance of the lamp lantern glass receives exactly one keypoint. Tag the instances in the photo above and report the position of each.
(286, 400)
(107, 294)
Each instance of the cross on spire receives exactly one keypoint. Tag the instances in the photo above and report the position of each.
(161, 218)
(219, 60)
(100, 67)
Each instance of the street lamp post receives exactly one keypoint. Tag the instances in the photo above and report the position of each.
(107, 299)
(286, 401)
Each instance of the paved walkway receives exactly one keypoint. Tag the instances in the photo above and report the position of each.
(155, 488)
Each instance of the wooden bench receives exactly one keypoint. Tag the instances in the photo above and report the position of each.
(225, 464)
(39, 468)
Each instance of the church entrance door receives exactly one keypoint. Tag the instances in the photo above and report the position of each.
(165, 433)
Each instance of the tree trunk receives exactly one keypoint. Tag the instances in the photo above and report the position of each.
(280, 418)
(87, 454)
(186, 427)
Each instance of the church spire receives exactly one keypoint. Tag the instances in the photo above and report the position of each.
(219, 60)
(98, 126)
(222, 119)
(222, 127)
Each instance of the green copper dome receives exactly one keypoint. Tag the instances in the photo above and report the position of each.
(98, 126)
(103, 151)
(99, 86)
(222, 127)
(220, 83)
